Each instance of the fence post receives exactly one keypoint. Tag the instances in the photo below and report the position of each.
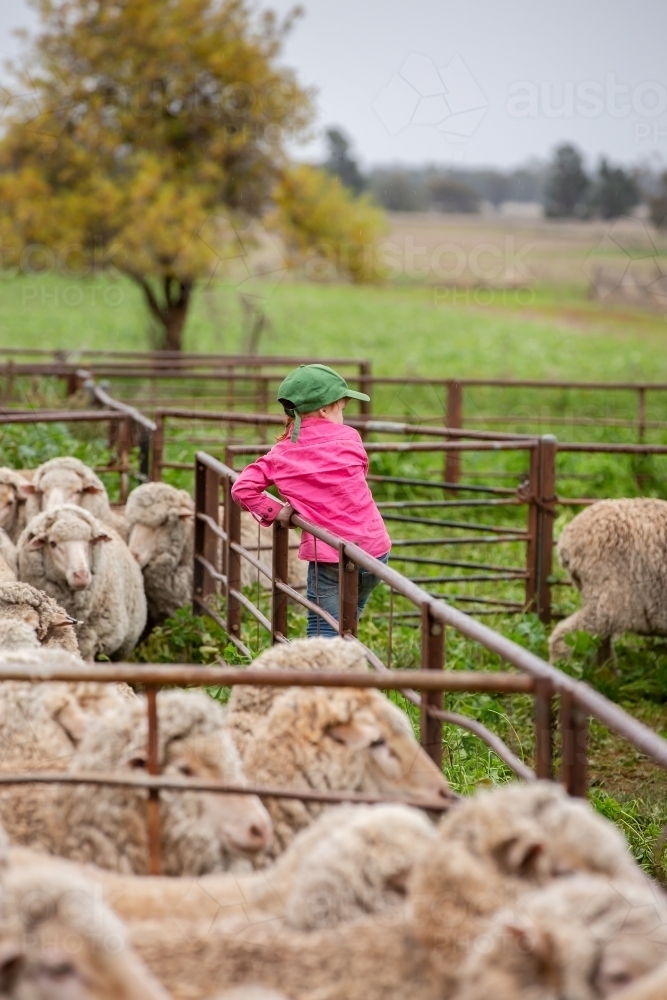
(280, 571)
(158, 448)
(454, 419)
(153, 767)
(641, 414)
(144, 451)
(544, 728)
(365, 407)
(433, 657)
(348, 594)
(124, 446)
(533, 487)
(545, 526)
(574, 746)
(233, 561)
(207, 489)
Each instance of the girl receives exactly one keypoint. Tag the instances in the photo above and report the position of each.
(319, 465)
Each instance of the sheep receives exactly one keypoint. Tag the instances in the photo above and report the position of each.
(614, 554)
(581, 938)
(41, 724)
(8, 565)
(488, 853)
(201, 832)
(342, 738)
(51, 624)
(161, 525)
(59, 940)
(87, 567)
(359, 866)
(349, 862)
(68, 480)
(12, 502)
(497, 845)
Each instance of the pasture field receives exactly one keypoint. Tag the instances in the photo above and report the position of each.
(545, 328)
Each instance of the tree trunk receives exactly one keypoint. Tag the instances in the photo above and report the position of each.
(171, 312)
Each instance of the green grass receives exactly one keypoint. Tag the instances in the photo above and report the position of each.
(404, 330)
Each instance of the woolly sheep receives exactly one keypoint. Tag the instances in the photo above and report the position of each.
(351, 861)
(160, 519)
(359, 866)
(614, 552)
(12, 502)
(87, 567)
(581, 938)
(200, 831)
(59, 941)
(41, 724)
(51, 624)
(500, 844)
(322, 738)
(68, 480)
(488, 853)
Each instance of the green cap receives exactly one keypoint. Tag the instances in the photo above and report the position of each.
(310, 387)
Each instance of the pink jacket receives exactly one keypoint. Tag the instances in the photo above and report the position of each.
(323, 475)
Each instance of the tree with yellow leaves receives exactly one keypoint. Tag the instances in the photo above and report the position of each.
(138, 127)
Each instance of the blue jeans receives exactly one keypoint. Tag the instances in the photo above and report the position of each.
(323, 590)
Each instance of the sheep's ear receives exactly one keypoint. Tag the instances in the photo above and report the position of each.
(93, 488)
(61, 621)
(520, 854)
(24, 490)
(529, 939)
(101, 536)
(74, 721)
(36, 542)
(184, 513)
(355, 734)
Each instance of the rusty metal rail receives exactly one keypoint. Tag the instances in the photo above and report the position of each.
(122, 430)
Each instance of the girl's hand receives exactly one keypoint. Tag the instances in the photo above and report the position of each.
(285, 515)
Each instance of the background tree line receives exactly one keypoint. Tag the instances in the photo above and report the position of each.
(563, 186)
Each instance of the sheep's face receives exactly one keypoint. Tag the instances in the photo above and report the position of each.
(585, 948)
(62, 485)
(150, 540)
(394, 761)
(9, 502)
(239, 822)
(143, 543)
(68, 558)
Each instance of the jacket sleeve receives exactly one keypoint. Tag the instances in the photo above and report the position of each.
(248, 492)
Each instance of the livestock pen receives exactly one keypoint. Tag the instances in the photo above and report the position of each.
(218, 555)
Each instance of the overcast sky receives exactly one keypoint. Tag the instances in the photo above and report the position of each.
(491, 82)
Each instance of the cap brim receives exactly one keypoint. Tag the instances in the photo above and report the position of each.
(350, 394)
